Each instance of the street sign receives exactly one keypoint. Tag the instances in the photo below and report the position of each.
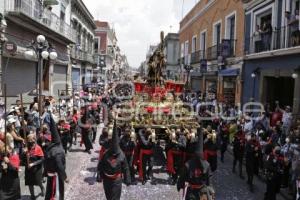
(10, 47)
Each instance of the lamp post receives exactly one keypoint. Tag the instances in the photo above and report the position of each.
(3, 39)
(253, 76)
(43, 51)
(188, 68)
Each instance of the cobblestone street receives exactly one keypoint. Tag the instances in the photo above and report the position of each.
(81, 169)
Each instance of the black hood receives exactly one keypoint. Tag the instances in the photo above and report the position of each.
(54, 132)
(115, 142)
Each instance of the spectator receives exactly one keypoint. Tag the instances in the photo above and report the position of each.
(267, 35)
(257, 39)
(293, 26)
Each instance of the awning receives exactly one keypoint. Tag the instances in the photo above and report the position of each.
(229, 72)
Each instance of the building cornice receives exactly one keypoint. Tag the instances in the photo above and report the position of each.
(195, 17)
(253, 3)
(88, 16)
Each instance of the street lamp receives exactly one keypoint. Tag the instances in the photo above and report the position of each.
(188, 68)
(43, 51)
(295, 74)
(253, 76)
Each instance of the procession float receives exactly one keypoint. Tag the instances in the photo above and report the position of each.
(156, 101)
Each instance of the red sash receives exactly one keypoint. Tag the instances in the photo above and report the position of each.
(114, 177)
(209, 153)
(14, 160)
(170, 160)
(101, 153)
(142, 153)
(36, 151)
(195, 187)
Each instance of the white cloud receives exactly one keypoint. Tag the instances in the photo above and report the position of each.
(138, 22)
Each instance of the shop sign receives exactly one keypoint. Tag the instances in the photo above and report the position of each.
(10, 47)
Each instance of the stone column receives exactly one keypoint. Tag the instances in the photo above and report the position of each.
(51, 71)
(69, 73)
(296, 103)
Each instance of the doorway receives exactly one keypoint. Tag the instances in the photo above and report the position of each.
(279, 89)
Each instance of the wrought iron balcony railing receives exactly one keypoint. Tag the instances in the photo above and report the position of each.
(197, 56)
(279, 38)
(35, 10)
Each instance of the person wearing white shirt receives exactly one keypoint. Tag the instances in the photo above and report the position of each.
(248, 126)
(286, 120)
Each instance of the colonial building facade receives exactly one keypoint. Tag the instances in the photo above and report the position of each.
(82, 52)
(26, 20)
(272, 53)
(172, 48)
(111, 60)
(211, 40)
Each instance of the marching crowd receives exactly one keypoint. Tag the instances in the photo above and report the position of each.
(39, 141)
(268, 145)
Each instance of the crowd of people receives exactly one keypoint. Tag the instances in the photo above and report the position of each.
(39, 140)
(266, 143)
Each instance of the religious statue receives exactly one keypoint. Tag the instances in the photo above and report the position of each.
(157, 64)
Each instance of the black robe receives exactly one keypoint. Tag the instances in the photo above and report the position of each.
(86, 132)
(34, 175)
(196, 173)
(111, 168)
(55, 163)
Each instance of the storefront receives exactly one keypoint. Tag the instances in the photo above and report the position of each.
(59, 80)
(210, 86)
(196, 82)
(19, 75)
(272, 79)
(75, 77)
(228, 91)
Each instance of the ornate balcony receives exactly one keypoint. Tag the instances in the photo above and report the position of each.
(34, 10)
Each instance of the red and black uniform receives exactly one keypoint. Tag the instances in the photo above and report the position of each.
(238, 151)
(86, 130)
(175, 156)
(210, 153)
(189, 150)
(9, 178)
(113, 167)
(145, 156)
(55, 165)
(252, 151)
(273, 171)
(34, 174)
(224, 140)
(128, 146)
(196, 173)
(65, 135)
(72, 120)
(104, 143)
